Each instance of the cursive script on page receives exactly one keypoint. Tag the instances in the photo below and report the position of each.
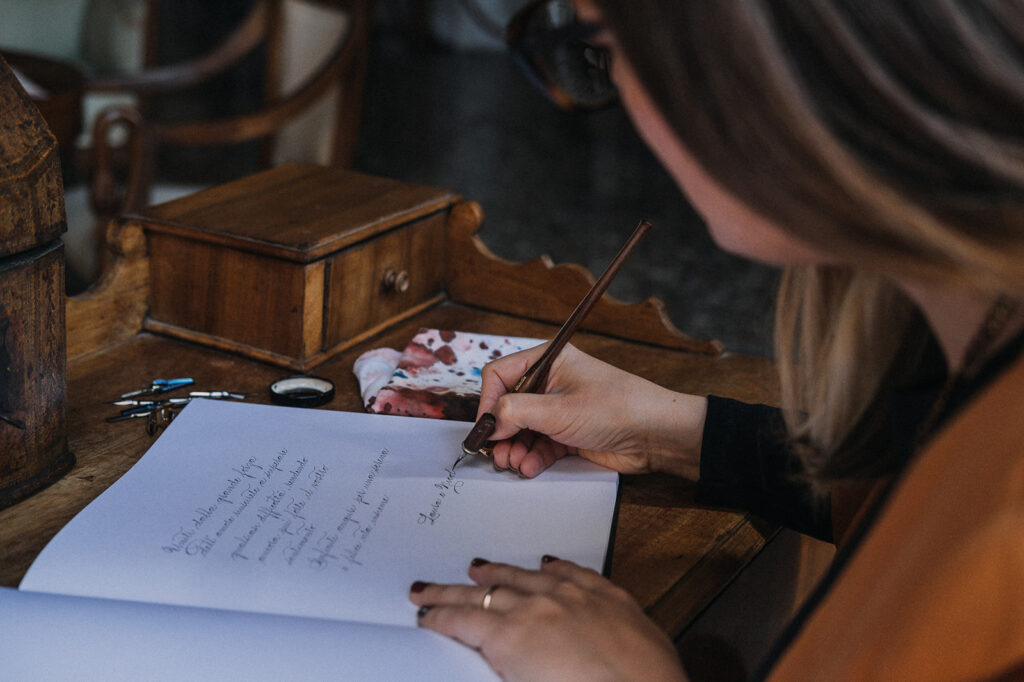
(316, 513)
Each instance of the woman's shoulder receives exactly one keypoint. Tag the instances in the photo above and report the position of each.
(936, 588)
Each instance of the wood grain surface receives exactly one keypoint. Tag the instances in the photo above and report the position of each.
(33, 431)
(297, 212)
(290, 266)
(32, 372)
(540, 289)
(31, 192)
(672, 555)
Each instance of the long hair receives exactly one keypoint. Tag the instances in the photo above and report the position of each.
(890, 132)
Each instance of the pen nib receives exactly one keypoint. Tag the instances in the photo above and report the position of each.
(466, 452)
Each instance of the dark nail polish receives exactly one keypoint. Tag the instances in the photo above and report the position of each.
(422, 612)
(478, 562)
(547, 559)
(418, 587)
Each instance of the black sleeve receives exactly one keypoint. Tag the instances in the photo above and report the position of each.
(745, 463)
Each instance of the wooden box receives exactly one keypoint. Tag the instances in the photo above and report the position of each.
(31, 191)
(295, 264)
(33, 376)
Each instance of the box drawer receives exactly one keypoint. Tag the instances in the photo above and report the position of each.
(295, 264)
(376, 281)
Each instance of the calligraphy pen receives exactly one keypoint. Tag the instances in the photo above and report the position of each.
(535, 377)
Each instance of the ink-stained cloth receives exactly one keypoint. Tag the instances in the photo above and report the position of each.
(437, 375)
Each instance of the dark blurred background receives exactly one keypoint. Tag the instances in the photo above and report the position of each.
(445, 105)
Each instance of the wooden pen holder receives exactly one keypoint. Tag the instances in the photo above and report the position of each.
(295, 264)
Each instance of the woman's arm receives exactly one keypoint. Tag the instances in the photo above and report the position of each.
(745, 462)
(737, 452)
(594, 410)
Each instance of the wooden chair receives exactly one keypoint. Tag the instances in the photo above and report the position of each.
(314, 57)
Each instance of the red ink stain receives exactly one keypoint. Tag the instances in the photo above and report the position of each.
(439, 403)
(446, 355)
(417, 355)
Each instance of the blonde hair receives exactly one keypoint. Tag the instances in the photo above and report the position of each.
(838, 333)
(887, 132)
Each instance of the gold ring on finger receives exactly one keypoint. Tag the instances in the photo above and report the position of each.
(485, 603)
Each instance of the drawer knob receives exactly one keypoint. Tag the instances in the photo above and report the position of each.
(395, 281)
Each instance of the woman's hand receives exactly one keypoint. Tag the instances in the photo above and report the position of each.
(562, 622)
(594, 410)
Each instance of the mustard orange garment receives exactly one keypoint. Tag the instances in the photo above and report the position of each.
(935, 591)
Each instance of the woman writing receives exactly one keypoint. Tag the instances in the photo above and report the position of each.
(875, 150)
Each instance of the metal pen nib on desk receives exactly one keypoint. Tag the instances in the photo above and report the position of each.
(535, 377)
(159, 386)
(217, 395)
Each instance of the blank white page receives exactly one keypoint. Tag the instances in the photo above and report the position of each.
(54, 637)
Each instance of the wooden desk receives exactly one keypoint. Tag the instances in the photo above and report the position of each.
(673, 556)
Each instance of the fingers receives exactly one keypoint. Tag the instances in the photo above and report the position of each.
(506, 584)
(470, 614)
(540, 412)
(496, 597)
(509, 453)
(545, 453)
(548, 624)
(568, 571)
(522, 418)
(517, 448)
(498, 377)
(511, 611)
(521, 580)
(527, 454)
(469, 625)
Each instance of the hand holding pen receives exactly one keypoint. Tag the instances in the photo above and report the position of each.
(535, 377)
(594, 410)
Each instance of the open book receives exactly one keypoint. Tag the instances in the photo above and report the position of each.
(280, 543)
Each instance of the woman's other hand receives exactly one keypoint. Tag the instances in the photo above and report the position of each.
(562, 622)
(594, 410)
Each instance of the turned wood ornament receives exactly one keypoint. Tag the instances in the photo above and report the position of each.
(33, 377)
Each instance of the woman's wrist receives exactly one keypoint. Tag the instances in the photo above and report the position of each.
(674, 432)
